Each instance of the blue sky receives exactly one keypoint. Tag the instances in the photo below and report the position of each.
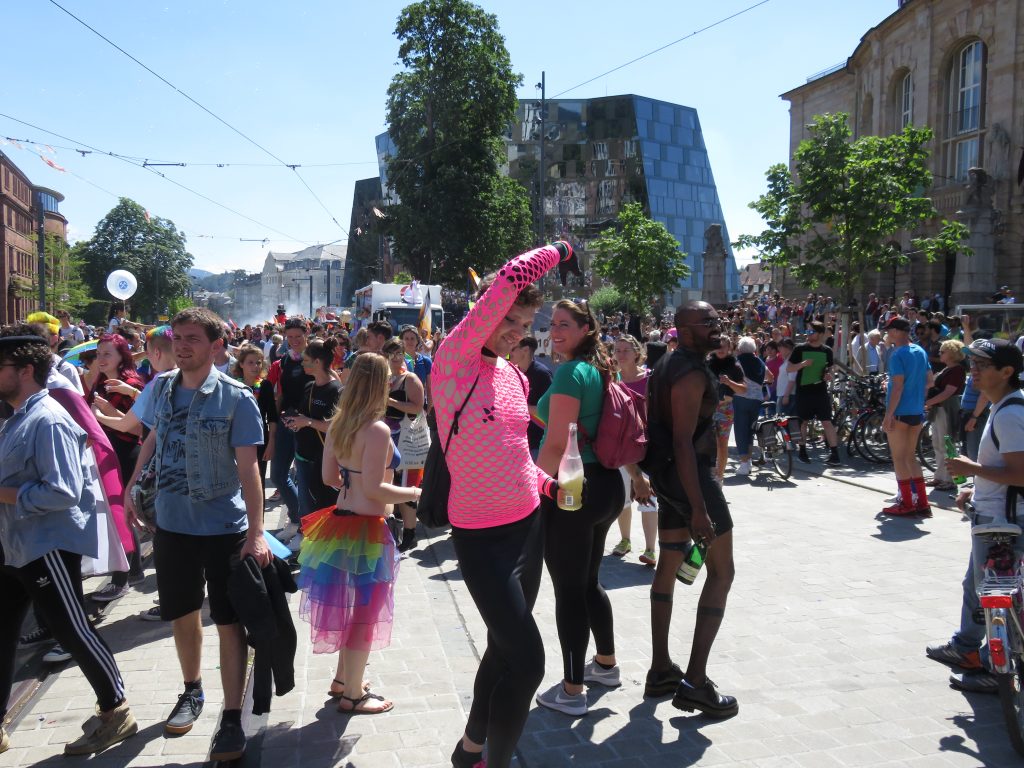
(307, 80)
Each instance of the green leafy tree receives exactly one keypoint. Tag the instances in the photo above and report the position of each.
(446, 113)
(151, 248)
(834, 219)
(607, 300)
(65, 285)
(639, 257)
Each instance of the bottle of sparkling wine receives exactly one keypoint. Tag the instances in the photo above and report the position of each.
(570, 474)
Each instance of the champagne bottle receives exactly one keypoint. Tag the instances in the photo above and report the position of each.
(570, 474)
(692, 563)
(951, 453)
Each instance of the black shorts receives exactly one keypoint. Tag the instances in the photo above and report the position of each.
(187, 566)
(674, 508)
(911, 421)
(813, 403)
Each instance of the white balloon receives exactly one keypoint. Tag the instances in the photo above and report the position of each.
(122, 284)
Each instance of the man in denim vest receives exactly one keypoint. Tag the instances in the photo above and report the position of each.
(209, 509)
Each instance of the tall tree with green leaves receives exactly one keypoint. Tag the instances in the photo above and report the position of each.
(446, 112)
(640, 257)
(151, 248)
(65, 284)
(834, 219)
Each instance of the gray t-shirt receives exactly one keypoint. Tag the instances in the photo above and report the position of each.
(178, 512)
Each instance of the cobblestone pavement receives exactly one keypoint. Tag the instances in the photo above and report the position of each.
(823, 645)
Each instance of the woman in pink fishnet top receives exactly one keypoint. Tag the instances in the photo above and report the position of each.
(495, 494)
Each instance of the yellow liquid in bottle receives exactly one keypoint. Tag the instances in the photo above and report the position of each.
(570, 492)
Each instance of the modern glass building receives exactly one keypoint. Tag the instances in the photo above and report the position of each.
(599, 154)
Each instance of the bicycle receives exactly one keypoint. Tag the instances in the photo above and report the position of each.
(772, 433)
(1001, 594)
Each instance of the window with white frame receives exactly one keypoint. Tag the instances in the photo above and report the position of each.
(966, 110)
(906, 101)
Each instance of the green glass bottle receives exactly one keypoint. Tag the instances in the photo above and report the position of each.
(692, 563)
(951, 453)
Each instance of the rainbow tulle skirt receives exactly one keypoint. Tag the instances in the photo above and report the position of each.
(349, 566)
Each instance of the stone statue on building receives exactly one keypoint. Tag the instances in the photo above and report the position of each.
(715, 257)
(975, 280)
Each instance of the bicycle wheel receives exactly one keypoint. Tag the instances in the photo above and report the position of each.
(925, 449)
(873, 440)
(1011, 697)
(782, 459)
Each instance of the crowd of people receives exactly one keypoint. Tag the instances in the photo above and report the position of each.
(333, 416)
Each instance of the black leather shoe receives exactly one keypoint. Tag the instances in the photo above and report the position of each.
(706, 698)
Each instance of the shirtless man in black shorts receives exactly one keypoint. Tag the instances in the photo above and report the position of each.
(683, 395)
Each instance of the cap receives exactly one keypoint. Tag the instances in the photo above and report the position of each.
(999, 352)
(898, 324)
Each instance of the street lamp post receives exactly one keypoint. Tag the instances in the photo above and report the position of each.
(302, 280)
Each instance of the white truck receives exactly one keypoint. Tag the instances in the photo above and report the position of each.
(400, 304)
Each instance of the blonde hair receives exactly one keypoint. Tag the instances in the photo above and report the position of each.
(641, 353)
(363, 401)
(955, 348)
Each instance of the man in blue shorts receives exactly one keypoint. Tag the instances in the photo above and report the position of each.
(904, 418)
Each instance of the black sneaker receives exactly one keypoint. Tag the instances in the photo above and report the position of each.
(802, 455)
(706, 698)
(833, 460)
(663, 682)
(229, 743)
(37, 636)
(185, 712)
(977, 681)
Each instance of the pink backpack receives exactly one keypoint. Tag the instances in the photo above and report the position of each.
(622, 431)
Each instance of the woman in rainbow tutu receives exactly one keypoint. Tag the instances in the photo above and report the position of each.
(348, 558)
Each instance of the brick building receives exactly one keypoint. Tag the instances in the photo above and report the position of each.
(954, 66)
(21, 205)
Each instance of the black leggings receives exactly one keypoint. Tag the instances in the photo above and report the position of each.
(573, 548)
(127, 454)
(53, 584)
(501, 567)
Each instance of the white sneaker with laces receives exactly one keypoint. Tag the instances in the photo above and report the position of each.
(56, 655)
(568, 704)
(595, 673)
(743, 469)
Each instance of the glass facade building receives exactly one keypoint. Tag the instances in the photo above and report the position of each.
(600, 154)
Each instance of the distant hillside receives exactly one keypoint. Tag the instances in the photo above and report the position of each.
(199, 274)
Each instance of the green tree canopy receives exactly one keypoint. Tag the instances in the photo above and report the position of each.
(639, 257)
(834, 219)
(446, 113)
(151, 248)
(65, 287)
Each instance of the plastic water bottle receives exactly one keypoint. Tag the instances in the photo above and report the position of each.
(570, 474)
(951, 453)
(692, 563)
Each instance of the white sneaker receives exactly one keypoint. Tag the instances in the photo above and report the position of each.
(56, 655)
(743, 469)
(557, 699)
(595, 673)
(287, 533)
(295, 544)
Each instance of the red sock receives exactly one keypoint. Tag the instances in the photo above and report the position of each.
(922, 493)
(907, 493)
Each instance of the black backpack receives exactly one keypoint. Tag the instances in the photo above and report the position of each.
(432, 508)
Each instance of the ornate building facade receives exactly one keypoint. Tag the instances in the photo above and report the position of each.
(955, 66)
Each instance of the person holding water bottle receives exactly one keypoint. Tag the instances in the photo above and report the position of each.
(575, 530)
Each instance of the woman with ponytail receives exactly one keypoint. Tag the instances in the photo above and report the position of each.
(574, 541)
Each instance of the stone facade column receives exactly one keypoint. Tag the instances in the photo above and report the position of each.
(714, 260)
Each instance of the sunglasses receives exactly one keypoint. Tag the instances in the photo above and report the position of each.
(708, 322)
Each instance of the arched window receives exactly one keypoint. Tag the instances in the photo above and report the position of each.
(905, 102)
(966, 110)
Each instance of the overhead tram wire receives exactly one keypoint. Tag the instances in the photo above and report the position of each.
(294, 167)
(161, 175)
(658, 50)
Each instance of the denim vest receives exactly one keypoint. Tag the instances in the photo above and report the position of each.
(209, 459)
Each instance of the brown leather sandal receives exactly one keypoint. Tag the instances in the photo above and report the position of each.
(387, 706)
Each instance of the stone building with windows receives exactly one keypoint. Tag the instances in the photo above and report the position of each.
(21, 206)
(954, 66)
